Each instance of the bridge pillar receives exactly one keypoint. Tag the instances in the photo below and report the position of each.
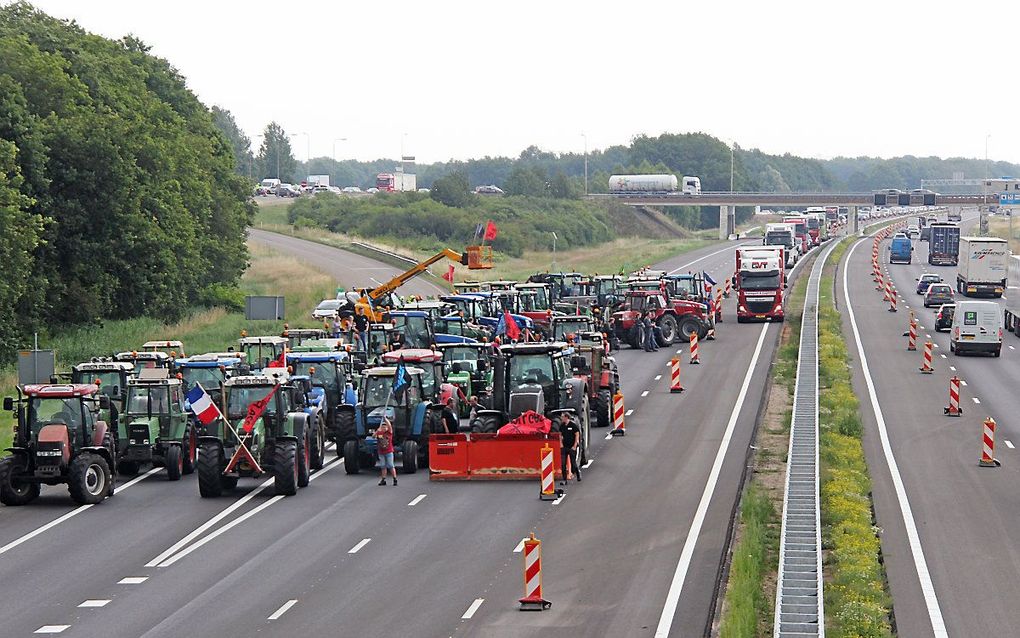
(724, 222)
(731, 221)
(851, 213)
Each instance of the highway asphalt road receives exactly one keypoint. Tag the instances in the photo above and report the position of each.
(948, 525)
(634, 548)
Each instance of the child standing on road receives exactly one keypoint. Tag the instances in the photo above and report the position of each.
(384, 444)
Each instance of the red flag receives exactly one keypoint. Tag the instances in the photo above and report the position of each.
(279, 362)
(490, 231)
(256, 409)
(513, 332)
(449, 275)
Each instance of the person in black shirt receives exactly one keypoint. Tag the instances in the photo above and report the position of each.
(448, 418)
(361, 325)
(570, 438)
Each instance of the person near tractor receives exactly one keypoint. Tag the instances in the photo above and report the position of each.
(384, 445)
(648, 327)
(336, 328)
(361, 327)
(448, 418)
(570, 437)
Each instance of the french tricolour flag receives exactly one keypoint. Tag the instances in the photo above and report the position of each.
(202, 405)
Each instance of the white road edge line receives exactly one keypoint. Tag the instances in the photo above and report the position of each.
(931, 600)
(78, 510)
(691, 263)
(417, 499)
(357, 548)
(283, 609)
(132, 580)
(472, 609)
(684, 562)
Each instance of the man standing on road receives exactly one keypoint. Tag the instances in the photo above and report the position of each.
(384, 444)
(649, 330)
(449, 419)
(570, 436)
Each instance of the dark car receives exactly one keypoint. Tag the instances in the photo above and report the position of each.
(944, 317)
(287, 190)
(937, 295)
(926, 280)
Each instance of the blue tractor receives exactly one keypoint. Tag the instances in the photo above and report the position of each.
(332, 397)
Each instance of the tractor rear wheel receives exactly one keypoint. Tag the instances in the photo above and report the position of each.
(689, 326)
(318, 445)
(603, 409)
(285, 468)
(303, 450)
(88, 478)
(667, 330)
(410, 451)
(636, 338)
(174, 462)
(485, 423)
(209, 464)
(345, 427)
(13, 491)
(190, 449)
(350, 454)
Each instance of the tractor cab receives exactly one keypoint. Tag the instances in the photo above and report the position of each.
(154, 427)
(209, 369)
(470, 307)
(110, 376)
(331, 375)
(467, 286)
(498, 285)
(297, 336)
(171, 347)
(540, 291)
(468, 366)
(435, 309)
(433, 378)
(415, 326)
(568, 327)
(143, 360)
(59, 437)
(561, 284)
(690, 287)
(261, 351)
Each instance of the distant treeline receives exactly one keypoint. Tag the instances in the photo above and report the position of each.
(118, 195)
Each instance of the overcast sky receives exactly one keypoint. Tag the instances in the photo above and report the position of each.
(466, 79)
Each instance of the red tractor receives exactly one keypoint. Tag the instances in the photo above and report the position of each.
(591, 363)
(59, 438)
(677, 319)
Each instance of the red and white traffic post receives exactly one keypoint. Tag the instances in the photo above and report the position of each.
(954, 409)
(893, 298)
(912, 333)
(727, 289)
(548, 489)
(988, 445)
(694, 349)
(926, 367)
(674, 375)
(533, 600)
(619, 424)
(718, 305)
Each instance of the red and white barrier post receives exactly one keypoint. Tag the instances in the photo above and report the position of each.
(728, 288)
(912, 333)
(674, 375)
(893, 298)
(533, 600)
(718, 305)
(548, 489)
(953, 409)
(619, 424)
(694, 349)
(926, 366)
(988, 445)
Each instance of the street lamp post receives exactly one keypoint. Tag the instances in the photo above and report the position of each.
(585, 164)
(554, 252)
(731, 166)
(984, 191)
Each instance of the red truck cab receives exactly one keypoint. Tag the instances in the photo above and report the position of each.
(760, 281)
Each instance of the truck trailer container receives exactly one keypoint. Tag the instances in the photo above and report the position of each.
(943, 244)
(983, 265)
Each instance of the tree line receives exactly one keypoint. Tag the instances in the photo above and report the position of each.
(118, 193)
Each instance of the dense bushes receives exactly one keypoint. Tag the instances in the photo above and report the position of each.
(120, 198)
(417, 220)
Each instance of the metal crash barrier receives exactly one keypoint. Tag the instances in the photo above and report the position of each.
(482, 457)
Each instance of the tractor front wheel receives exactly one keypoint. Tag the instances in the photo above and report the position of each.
(485, 424)
(667, 330)
(13, 491)
(603, 409)
(318, 446)
(88, 479)
(304, 457)
(174, 462)
(190, 449)
(345, 427)
(410, 451)
(350, 454)
(689, 326)
(285, 468)
(210, 467)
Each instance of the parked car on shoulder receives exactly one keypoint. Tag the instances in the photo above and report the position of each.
(926, 280)
(937, 295)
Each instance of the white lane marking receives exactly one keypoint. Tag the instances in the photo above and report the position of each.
(51, 629)
(645, 393)
(237, 521)
(953, 368)
(1009, 444)
(95, 603)
(520, 546)
(975, 400)
(684, 562)
(929, 336)
(361, 543)
(689, 264)
(963, 383)
(205, 526)
(133, 580)
(942, 355)
(283, 609)
(658, 376)
(472, 609)
(588, 464)
(417, 499)
(560, 499)
(629, 412)
(935, 344)
(609, 436)
(78, 510)
(907, 306)
(1012, 348)
(931, 600)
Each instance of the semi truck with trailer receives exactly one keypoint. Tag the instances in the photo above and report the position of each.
(760, 280)
(943, 244)
(800, 230)
(658, 183)
(983, 265)
(783, 235)
(396, 182)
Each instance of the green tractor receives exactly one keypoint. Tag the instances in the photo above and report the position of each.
(469, 367)
(279, 442)
(155, 427)
(59, 438)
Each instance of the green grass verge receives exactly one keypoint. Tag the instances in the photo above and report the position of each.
(857, 602)
(748, 607)
(204, 330)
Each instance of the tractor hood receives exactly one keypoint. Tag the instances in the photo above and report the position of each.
(138, 423)
(374, 418)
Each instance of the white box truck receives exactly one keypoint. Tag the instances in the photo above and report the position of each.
(983, 264)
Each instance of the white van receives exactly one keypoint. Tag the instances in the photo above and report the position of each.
(977, 327)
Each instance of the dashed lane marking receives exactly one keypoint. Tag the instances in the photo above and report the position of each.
(283, 609)
(1009, 444)
(472, 609)
(51, 629)
(975, 400)
(629, 412)
(133, 580)
(645, 393)
(588, 464)
(520, 546)
(953, 368)
(942, 355)
(560, 499)
(361, 544)
(95, 603)
(609, 436)
(417, 499)
(658, 376)
(963, 383)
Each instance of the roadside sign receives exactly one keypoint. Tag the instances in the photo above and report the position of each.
(1009, 199)
(35, 366)
(257, 307)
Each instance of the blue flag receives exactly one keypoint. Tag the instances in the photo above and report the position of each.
(400, 380)
(708, 278)
(500, 325)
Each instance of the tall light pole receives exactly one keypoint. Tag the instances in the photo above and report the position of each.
(984, 191)
(554, 252)
(731, 166)
(339, 139)
(585, 166)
